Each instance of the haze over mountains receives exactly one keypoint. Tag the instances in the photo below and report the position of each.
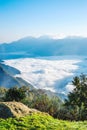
(43, 46)
(44, 62)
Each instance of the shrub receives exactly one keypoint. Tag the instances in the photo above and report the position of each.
(15, 93)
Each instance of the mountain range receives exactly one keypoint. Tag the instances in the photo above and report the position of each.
(38, 47)
(43, 46)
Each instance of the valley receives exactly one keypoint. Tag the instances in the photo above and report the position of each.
(50, 73)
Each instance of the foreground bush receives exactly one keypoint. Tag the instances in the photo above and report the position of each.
(43, 102)
(14, 94)
(40, 122)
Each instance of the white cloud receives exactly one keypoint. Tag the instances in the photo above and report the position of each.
(70, 87)
(51, 73)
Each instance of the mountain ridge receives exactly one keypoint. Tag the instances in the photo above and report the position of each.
(34, 47)
(8, 80)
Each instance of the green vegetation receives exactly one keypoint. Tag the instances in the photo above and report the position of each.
(73, 108)
(40, 122)
(76, 103)
(15, 93)
(33, 99)
(39, 100)
(2, 93)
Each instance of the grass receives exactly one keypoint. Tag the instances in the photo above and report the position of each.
(40, 121)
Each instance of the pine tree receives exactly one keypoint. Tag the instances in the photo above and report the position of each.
(77, 99)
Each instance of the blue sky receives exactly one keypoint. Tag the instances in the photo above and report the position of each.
(21, 18)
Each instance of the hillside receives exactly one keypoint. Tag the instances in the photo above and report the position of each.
(33, 47)
(31, 119)
(40, 121)
(7, 78)
(11, 70)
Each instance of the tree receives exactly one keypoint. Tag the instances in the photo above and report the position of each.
(77, 99)
(41, 102)
(15, 94)
(54, 106)
(38, 99)
(2, 93)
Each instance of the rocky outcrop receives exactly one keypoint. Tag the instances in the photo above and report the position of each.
(14, 109)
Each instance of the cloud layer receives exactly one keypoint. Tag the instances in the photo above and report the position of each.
(51, 73)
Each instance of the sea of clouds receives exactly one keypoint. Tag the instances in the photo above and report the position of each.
(50, 73)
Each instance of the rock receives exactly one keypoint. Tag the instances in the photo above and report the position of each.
(14, 109)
